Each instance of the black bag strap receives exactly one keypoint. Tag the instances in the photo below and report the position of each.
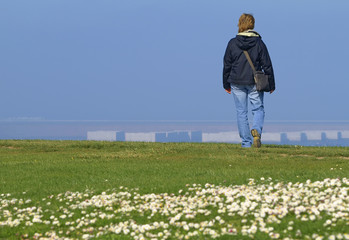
(250, 61)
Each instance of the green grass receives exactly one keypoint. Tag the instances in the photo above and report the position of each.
(43, 168)
(49, 167)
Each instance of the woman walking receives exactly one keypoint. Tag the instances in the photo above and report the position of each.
(238, 78)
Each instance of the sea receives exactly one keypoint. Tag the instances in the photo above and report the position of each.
(304, 133)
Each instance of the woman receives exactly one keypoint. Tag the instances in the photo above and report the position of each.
(238, 78)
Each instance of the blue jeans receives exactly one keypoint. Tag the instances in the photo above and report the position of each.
(243, 93)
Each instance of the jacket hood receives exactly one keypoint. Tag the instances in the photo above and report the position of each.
(247, 39)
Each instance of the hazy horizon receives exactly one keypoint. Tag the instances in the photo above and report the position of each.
(295, 133)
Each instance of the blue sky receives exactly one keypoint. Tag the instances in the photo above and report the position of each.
(162, 60)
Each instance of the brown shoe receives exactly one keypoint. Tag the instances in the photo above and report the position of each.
(256, 138)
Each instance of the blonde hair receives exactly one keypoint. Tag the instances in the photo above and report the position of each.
(246, 22)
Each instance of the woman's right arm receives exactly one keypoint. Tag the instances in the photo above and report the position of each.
(227, 61)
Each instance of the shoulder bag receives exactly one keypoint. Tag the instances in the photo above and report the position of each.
(260, 78)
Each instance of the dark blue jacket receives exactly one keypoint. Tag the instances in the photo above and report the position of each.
(236, 69)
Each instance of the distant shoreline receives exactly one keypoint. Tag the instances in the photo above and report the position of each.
(165, 121)
(335, 133)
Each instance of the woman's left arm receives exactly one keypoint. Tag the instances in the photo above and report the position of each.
(267, 65)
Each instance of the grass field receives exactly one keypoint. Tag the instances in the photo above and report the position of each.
(125, 190)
